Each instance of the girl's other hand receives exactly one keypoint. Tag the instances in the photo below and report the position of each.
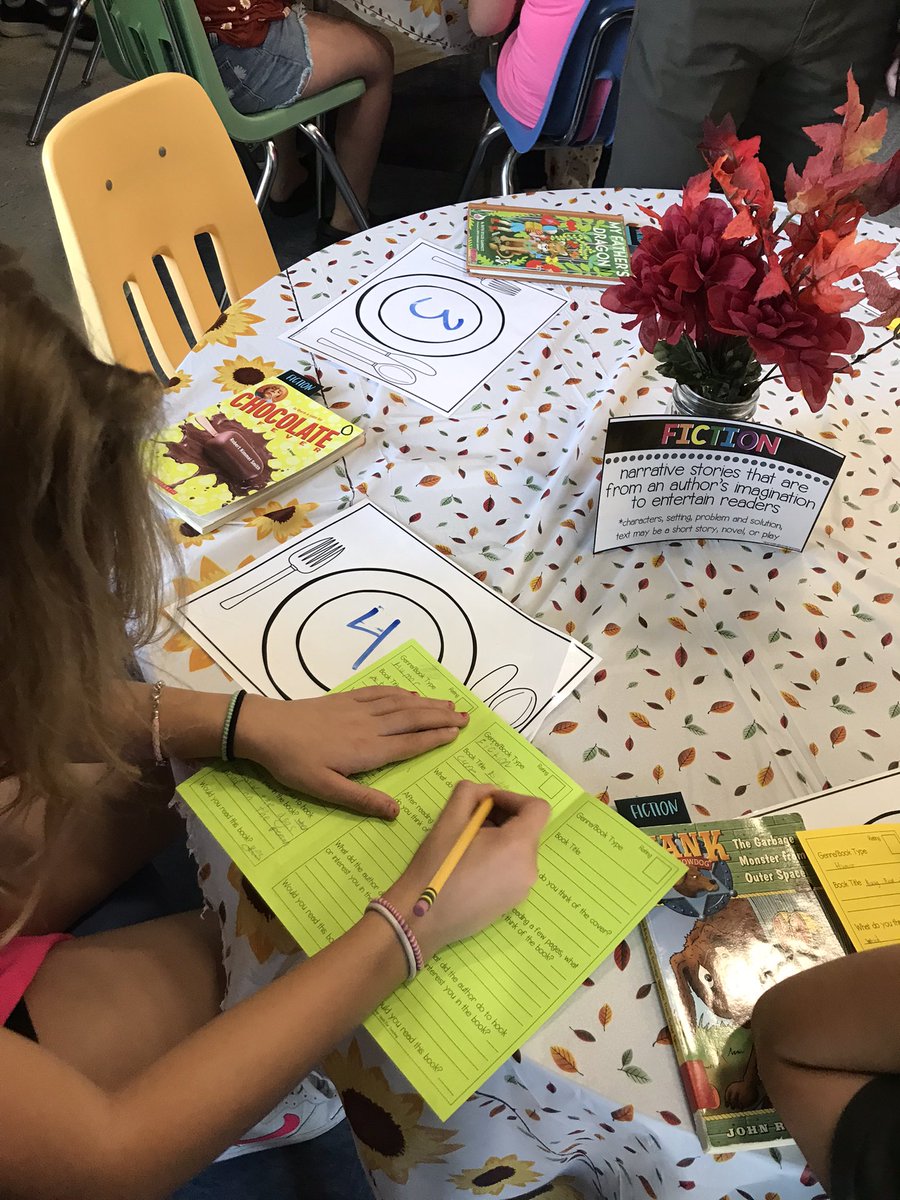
(494, 875)
(314, 745)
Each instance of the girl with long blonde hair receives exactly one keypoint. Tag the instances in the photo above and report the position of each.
(120, 1077)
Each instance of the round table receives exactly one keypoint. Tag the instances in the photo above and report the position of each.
(739, 675)
(441, 26)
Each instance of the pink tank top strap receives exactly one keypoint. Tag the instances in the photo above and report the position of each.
(20, 961)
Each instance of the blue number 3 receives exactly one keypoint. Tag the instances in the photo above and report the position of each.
(443, 317)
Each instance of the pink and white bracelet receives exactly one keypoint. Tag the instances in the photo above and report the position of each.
(405, 936)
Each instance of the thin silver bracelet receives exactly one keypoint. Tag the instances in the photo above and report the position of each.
(156, 740)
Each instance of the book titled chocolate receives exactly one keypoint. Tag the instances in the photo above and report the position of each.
(216, 463)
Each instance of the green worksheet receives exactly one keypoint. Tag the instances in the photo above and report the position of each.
(478, 1000)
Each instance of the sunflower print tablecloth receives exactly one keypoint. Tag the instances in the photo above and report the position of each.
(741, 675)
(438, 24)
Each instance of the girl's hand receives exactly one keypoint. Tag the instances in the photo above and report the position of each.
(494, 875)
(313, 745)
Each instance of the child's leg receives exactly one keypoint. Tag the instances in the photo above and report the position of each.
(821, 1036)
(272, 75)
(342, 50)
(290, 173)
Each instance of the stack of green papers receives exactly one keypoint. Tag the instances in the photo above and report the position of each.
(478, 1000)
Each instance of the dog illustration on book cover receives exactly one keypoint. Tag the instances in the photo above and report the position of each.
(749, 928)
(731, 957)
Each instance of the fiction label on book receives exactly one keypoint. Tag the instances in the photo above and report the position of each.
(673, 478)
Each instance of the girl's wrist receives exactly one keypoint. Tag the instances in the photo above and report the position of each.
(253, 723)
(190, 723)
(387, 954)
(403, 896)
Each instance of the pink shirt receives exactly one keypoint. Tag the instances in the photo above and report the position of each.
(530, 55)
(20, 961)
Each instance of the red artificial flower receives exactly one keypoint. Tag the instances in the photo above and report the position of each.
(844, 162)
(803, 235)
(707, 270)
(843, 170)
(675, 265)
(735, 165)
(807, 344)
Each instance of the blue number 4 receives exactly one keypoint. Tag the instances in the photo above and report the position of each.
(378, 635)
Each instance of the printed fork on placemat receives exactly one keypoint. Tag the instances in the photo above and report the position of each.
(504, 286)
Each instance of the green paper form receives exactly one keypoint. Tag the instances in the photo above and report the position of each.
(478, 1000)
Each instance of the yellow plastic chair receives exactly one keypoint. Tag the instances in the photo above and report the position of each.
(135, 178)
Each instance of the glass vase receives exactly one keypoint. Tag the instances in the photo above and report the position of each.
(688, 403)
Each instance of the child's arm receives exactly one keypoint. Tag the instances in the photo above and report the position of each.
(820, 1036)
(490, 17)
(66, 1138)
(308, 745)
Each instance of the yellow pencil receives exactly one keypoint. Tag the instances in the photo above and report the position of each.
(451, 862)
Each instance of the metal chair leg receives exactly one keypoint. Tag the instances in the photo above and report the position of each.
(264, 186)
(342, 183)
(87, 77)
(56, 70)
(489, 134)
(261, 195)
(506, 172)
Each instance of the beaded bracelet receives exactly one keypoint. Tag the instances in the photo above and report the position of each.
(405, 936)
(155, 738)
(229, 725)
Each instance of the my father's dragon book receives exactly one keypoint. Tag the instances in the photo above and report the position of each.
(547, 244)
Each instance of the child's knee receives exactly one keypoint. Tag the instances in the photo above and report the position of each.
(383, 52)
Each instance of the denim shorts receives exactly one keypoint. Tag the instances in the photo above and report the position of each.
(272, 75)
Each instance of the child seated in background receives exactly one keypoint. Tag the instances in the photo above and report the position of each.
(526, 70)
(270, 54)
(828, 1050)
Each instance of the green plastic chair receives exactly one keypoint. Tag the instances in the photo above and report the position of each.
(149, 37)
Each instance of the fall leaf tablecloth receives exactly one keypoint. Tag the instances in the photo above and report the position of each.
(740, 675)
(439, 25)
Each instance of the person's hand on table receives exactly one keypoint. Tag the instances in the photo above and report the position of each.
(314, 745)
(494, 875)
